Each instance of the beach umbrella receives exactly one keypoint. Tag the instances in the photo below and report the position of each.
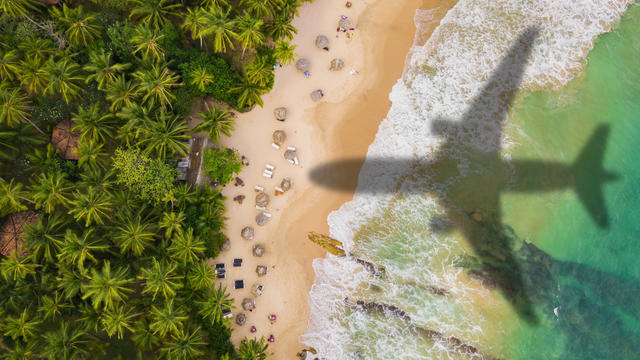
(248, 304)
(303, 64)
(316, 95)
(258, 250)
(241, 319)
(226, 246)
(290, 155)
(261, 270)
(247, 233)
(279, 137)
(262, 199)
(337, 64)
(281, 113)
(344, 22)
(257, 290)
(286, 184)
(322, 42)
(262, 219)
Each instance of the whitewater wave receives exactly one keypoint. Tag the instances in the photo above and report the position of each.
(442, 76)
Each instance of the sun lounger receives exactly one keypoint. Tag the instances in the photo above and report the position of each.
(219, 266)
(221, 276)
(238, 284)
(291, 148)
(261, 207)
(270, 167)
(268, 174)
(295, 160)
(258, 188)
(237, 260)
(267, 214)
(279, 189)
(275, 146)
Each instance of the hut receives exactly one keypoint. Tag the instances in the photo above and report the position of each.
(257, 290)
(258, 250)
(322, 42)
(248, 304)
(282, 112)
(65, 140)
(247, 233)
(262, 199)
(241, 319)
(316, 95)
(279, 137)
(261, 270)
(303, 64)
(262, 218)
(11, 238)
(337, 64)
(286, 184)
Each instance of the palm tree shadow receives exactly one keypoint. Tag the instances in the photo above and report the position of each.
(468, 173)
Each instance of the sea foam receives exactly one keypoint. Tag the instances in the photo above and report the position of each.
(442, 76)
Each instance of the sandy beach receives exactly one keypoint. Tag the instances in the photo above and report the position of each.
(342, 124)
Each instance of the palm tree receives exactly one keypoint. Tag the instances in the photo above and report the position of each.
(153, 12)
(285, 52)
(165, 136)
(102, 70)
(11, 197)
(80, 28)
(107, 288)
(120, 92)
(184, 345)
(14, 107)
(147, 40)
(77, 250)
(52, 307)
(43, 237)
(16, 267)
(23, 326)
(115, 321)
(166, 320)
(8, 65)
(33, 77)
(218, 25)
(142, 336)
(91, 206)
(215, 122)
(16, 8)
(253, 349)
(212, 305)
(281, 29)
(194, 22)
(200, 78)
(186, 247)
(51, 190)
(249, 32)
(162, 278)
(260, 9)
(70, 282)
(156, 83)
(93, 124)
(260, 71)
(248, 93)
(91, 154)
(65, 343)
(136, 117)
(133, 236)
(171, 222)
(201, 276)
(64, 77)
(36, 46)
(218, 4)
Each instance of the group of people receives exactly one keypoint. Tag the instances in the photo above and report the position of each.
(272, 318)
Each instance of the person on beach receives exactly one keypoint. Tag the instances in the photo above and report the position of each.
(253, 329)
(271, 338)
(272, 318)
(307, 74)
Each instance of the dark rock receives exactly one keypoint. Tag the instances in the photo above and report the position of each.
(239, 199)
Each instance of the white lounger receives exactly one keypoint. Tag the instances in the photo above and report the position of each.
(276, 146)
(270, 167)
(258, 188)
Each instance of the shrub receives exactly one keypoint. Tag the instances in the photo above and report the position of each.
(220, 164)
(149, 179)
(119, 35)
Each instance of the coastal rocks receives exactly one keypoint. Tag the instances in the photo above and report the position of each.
(247, 233)
(258, 250)
(279, 137)
(262, 218)
(485, 279)
(262, 199)
(241, 319)
(286, 184)
(257, 290)
(317, 95)
(261, 270)
(281, 112)
(239, 182)
(322, 42)
(333, 246)
(226, 246)
(239, 198)
(337, 64)
(248, 304)
(303, 64)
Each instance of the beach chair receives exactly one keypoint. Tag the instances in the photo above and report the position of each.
(258, 188)
(237, 262)
(219, 266)
(221, 276)
(275, 146)
(238, 284)
(270, 167)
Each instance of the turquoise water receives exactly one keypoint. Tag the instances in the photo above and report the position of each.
(595, 272)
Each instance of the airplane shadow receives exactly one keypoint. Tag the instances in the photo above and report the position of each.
(467, 179)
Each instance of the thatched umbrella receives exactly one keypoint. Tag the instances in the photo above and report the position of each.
(241, 319)
(248, 304)
(303, 64)
(65, 141)
(261, 219)
(281, 112)
(290, 155)
(262, 199)
(316, 95)
(257, 290)
(258, 250)
(344, 22)
(337, 64)
(322, 42)
(279, 137)
(247, 233)
(261, 270)
(226, 246)
(11, 238)
(286, 184)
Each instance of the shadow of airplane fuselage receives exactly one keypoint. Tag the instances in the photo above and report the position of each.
(471, 197)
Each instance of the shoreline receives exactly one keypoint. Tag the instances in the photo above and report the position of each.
(321, 132)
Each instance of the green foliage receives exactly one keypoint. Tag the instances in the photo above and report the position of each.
(150, 179)
(221, 164)
(120, 34)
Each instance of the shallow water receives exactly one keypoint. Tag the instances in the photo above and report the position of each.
(566, 261)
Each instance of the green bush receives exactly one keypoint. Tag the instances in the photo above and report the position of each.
(149, 179)
(119, 35)
(220, 164)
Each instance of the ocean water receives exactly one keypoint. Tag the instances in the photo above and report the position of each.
(579, 274)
